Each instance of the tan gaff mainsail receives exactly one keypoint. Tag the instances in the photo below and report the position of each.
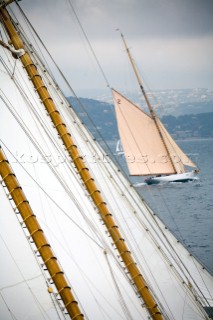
(143, 146)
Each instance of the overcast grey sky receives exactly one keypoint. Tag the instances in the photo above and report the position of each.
(170, 40)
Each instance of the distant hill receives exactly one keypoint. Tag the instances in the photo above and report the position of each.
(190, 125)
(170, 101)
(102, 115)
(190, 108)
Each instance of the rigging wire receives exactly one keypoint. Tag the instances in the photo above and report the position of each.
(89, 44)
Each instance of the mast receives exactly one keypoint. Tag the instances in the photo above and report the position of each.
(152, 112)
(37, 234)
(125, 254)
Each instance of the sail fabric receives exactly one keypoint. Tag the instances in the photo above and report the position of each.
(23, 288)
(178, 281)
(143, 147)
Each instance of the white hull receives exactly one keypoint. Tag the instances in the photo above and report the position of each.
(179, 177)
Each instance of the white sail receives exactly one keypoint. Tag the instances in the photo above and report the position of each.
(24, 291)
(65, 211)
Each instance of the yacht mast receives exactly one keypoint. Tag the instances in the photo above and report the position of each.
(37, 234)
(125, 254)
(152, 112)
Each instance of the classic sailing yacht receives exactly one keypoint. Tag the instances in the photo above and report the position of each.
(77, 241)
(119, 150)
(148, 147)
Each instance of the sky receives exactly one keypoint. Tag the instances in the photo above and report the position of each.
(171, 41)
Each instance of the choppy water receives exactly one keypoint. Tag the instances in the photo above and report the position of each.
(187, 208)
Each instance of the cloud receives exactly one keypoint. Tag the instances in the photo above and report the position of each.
(140, 17)
(165, 36)
(150, 18)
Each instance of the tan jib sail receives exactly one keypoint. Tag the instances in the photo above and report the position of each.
(145, 151)
(178, 156)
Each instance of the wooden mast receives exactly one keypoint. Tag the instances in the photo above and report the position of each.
(83, 171)
(152, 112)
(37, 234)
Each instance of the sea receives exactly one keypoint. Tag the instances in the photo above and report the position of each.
(185, 208)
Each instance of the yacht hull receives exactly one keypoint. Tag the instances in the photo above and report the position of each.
(180, 177)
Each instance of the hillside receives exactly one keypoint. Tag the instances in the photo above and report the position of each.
(103, 116)
(190, 125)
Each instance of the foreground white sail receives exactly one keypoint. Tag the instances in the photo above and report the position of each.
(180, 285)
